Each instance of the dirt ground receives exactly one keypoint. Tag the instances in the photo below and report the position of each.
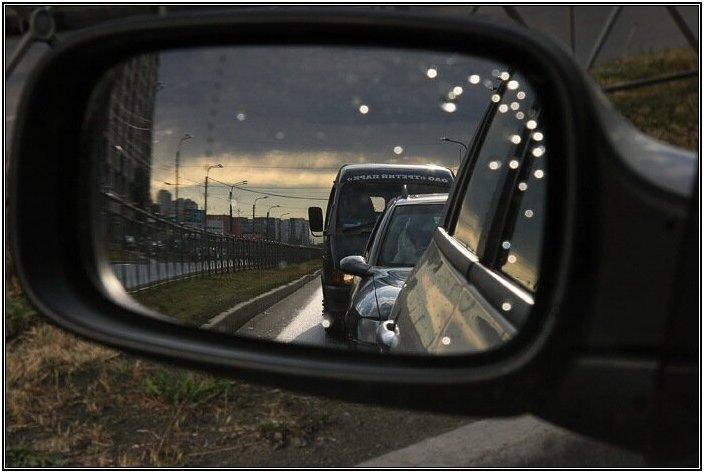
(74, 404)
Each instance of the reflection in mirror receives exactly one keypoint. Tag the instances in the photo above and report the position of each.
(209, 160)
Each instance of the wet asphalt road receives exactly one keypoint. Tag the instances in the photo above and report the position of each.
(295, 319)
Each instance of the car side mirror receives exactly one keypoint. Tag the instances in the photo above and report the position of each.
(315, 217)
(355, 265)
(596, 343)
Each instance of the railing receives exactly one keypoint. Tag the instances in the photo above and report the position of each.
(146, 250)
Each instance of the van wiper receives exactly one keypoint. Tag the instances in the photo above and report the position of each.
(359, 226)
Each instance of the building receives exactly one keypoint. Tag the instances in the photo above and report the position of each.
(296, 232)
(128, 129)
(164, 202)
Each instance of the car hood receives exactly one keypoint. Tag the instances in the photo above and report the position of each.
(387, 285)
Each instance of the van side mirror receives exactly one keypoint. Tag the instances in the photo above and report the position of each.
(315, 219)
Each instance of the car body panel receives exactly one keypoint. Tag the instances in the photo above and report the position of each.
(439, 313)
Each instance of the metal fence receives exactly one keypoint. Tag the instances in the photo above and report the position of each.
(146, 250)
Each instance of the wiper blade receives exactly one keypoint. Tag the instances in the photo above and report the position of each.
(358, 226)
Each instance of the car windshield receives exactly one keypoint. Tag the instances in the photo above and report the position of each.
(408, 234)
(360, 204)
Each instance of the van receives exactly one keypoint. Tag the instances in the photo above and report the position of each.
(358, 197)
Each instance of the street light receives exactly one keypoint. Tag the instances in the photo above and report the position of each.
(231, 188)
(205, 207)
(178, 164)
(254, 206)
(267, 218)
(445, 138)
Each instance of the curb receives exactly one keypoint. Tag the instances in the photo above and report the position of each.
(232, 319)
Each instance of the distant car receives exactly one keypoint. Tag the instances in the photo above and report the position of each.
(358, 196)
(397, 241)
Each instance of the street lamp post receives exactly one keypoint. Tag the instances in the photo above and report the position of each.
(445, 138)
(205, 207)
(254, 206)
(231, 188)
(178, 164)
(267, 219)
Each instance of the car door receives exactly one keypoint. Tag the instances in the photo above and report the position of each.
(473, 289)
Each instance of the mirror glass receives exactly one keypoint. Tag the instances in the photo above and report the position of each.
(209, 160)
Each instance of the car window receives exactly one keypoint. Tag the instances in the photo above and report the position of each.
(357, 200)
(329, 206)
(523, 235)
(408, 234)
(498, 154)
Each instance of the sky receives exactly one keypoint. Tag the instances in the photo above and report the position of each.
(286, 118)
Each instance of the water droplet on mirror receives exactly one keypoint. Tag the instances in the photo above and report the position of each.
(513, 164)
(432, 73)
(363, 109)
(538, 152)
(512, 85)
(531, 124)
(449, 107)
(496, 98)
(494, 165)
(539, 174)
(398, 150)
(528, 213)
(515, 106)
(521, 95)
(241, 117)
(503, 108)
(505, 76)
(506, 245)
(474, 79)
(515, 139)
(512, 259)
(522, 186)
(520, 115)
(506, 306)
(458, 90)
(538, 136)
(446, 340)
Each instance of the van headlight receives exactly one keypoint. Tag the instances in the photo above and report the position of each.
(366, 330)
(338, 278)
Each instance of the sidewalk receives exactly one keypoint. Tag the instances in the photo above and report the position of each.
(518, 442)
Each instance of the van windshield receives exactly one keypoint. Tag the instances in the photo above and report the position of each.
(360, 204)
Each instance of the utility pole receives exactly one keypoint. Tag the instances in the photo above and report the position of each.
(205, 207)
(178, 164)
(254, 207)
(267, 219)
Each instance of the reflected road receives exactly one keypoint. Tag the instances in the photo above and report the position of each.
(295, 319)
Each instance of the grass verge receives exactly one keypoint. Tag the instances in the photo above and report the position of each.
(19, 315)
(667, 111)
(198, 300)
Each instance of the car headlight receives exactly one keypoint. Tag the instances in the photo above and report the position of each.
(366, 330)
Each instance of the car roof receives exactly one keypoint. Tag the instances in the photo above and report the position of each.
(416, 199)
(357, 168)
